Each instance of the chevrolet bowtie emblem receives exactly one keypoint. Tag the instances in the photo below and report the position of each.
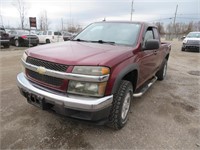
(41, 70)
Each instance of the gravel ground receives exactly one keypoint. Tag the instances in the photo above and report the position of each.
(166, 117)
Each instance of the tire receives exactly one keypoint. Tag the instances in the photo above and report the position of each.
(48, 41)
(17, 43)
(121, 105)
(182, 49)
(6, 45)
(161, 74)
(34, 44)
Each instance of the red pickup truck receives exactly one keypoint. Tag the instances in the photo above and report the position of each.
(96, 75)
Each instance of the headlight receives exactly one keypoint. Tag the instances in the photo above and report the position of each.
(184, 41)
(88, 88)
(91, 70)
(24, 57)
(85, 88)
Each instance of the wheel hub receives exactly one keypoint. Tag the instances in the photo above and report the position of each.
(126, 105)
(165, 70)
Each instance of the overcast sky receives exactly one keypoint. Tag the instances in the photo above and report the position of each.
(84, 12)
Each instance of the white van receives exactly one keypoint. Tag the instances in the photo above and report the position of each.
(50, 37)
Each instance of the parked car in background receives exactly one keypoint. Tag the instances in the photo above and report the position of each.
(4, 38)
(23, 38)
(39, 32)
(191, 42)
(67, 36)
(50, 37)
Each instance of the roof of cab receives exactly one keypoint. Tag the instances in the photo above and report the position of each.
(146, 24)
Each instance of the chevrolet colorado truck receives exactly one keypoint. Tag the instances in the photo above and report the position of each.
(95, 76)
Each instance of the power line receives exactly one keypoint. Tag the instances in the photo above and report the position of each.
(187, 18)
(162, 19)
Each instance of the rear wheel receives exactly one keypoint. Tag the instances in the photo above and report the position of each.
(17, 43)
(121, 105)
(47, 41)
(161, 74)
(6, 45)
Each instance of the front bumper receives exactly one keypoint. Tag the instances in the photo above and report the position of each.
(32, 41)
(191, 46)
(4, 41)
(88, 104)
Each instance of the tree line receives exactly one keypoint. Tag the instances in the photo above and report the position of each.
(178, 29)
(171, 30)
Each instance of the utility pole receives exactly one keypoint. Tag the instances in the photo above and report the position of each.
(62, 23)
(1, 20)
(132, 9)
(175, 19)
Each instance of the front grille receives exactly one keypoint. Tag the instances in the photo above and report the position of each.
(193, 42)
(47, 64)
(44, 78)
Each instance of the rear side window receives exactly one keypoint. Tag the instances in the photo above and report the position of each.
(57, 33)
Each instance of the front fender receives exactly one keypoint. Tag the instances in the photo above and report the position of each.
(127, 69)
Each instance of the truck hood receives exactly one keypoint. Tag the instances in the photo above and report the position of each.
(195, 39)
(81, 53)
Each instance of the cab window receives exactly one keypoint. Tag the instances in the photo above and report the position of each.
(151, 33)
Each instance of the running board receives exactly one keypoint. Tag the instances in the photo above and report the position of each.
(144, 89)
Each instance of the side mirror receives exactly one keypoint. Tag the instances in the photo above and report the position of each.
(183, 37)
(152, 44)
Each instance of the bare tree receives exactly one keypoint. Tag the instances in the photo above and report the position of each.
(22, 8)
(44, 21)
(196, 26)
(181, 29)
(74, 27)
(160, 27)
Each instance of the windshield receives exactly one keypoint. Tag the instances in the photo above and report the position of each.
(118, 33)
(194, 35)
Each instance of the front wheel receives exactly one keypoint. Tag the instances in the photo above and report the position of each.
(6, 45)
(182, 49)
(161, 74)
(121, 105)
(48, 41)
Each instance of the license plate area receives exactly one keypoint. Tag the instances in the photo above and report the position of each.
(37, 101)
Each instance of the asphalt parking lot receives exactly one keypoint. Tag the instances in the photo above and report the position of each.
(166, 117)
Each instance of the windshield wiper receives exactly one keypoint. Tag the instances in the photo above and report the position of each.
(80, 40)
(99, 41)
(102, 42)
